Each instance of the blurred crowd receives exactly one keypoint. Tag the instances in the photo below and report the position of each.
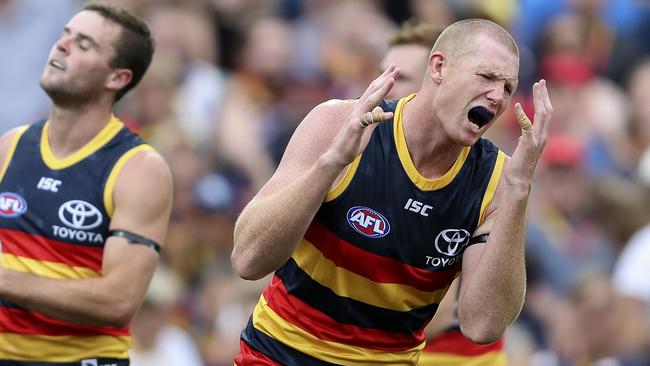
(231, 79)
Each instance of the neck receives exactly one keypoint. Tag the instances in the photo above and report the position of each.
(433, 153)
(71, 128)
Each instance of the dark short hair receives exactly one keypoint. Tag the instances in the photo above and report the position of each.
(134, 48)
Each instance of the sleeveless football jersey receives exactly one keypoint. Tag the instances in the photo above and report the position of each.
(451, 348)
(377, 259)
(54, 221)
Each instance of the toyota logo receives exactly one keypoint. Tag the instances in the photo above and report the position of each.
(80, 215)
(452, 241)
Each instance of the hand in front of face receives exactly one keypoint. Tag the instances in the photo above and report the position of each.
(353, 137)
(521, 167)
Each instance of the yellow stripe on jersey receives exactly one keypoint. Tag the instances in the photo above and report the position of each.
(47, 269)
(420, 181)
(105, 135)
(112, 177)
(12, 148)
(269, 322)
(61, 348)
(492, 186)
(345, 181)
(349, 284)
(495, 358)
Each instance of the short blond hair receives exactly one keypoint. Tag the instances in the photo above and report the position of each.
(457, 38)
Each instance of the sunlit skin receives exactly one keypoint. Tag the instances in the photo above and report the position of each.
(412, 61)
(77, 70)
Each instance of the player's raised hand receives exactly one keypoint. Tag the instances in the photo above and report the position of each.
(521, 167)
(353, 137)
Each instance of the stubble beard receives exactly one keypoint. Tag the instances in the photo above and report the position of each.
(66, 95)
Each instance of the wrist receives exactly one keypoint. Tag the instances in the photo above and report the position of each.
(331, 162)
(519, 189)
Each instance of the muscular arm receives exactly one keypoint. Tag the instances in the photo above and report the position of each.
(142, 200)
(493, 293)
(494, 276)
(272, 224)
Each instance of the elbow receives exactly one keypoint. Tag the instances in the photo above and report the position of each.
(483, 332)
(121, 314)
(244, 259)
(244, 266)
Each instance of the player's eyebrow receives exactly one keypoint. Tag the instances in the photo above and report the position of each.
(510, 80)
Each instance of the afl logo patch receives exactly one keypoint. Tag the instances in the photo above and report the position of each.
(12, 205)
(368, 222)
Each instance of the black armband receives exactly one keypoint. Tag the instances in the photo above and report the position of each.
(479, 239)
(133, 238)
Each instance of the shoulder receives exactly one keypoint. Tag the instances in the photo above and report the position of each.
(332, 108)
(147, 164)
(143, 194)
(323, 122)
(8, 138)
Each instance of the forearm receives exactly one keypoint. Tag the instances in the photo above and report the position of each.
(269, 229)
(86, 301)
(494, 295)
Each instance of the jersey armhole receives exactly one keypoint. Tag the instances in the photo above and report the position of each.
(492, 186)
(12, 149)
(112, 177)
(345, 181)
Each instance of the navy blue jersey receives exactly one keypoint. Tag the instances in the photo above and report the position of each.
(54, 220)
(378, 257)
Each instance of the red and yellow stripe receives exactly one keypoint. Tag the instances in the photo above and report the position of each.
(324, 327)
(31, 336)
(374, 267)
(51, 251)
(451, 348)
(266, 320)
(61, 348)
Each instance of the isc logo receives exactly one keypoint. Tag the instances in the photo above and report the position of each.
(368, 222)
(12, 205)
(49, 184)
(417, 207)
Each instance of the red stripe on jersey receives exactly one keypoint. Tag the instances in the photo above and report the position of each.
(21, 321)
(37, 247)
(454, 342)
(317, 323)
(250, 357)
(373, 266)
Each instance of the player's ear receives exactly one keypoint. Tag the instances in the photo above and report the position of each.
(437, 62)
(119, 79)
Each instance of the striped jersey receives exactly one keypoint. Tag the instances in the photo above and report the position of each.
(54, 220)
(451, 348)
(377, 259)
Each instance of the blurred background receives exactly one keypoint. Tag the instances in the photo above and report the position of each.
(231, 79)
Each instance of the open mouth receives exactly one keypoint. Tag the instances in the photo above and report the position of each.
(480, 116)
(57, 64)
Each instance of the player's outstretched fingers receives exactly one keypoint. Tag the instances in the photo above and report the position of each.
(547, 106)
(522, 119)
